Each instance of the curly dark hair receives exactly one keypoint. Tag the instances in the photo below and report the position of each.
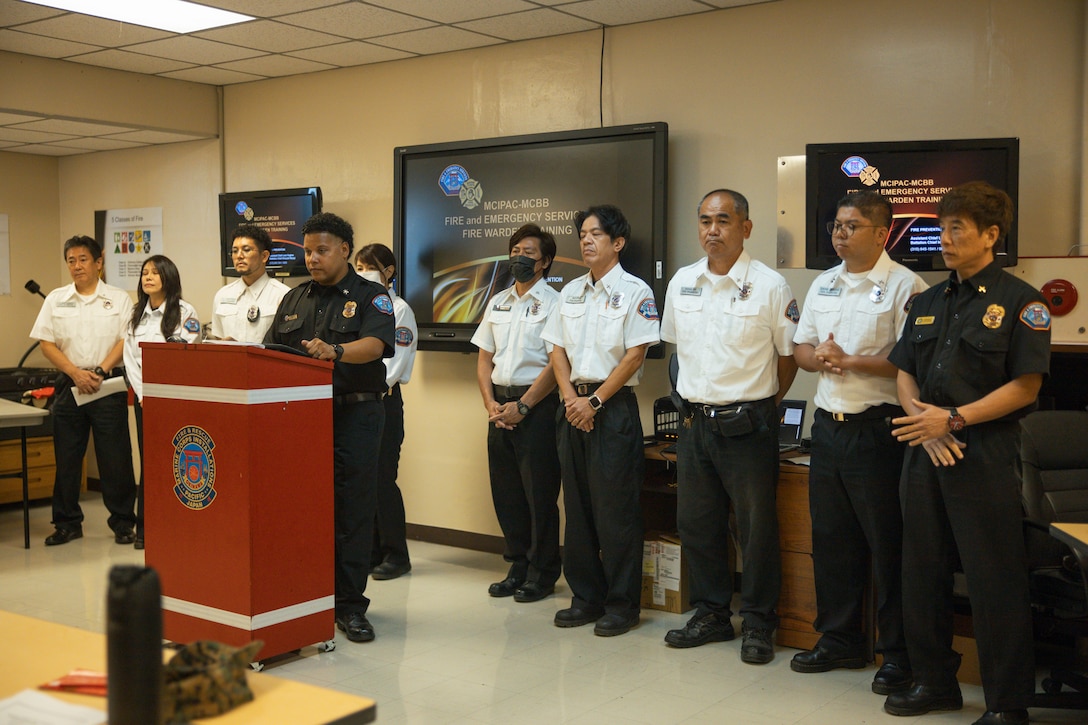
(254, 232)
(171, 287)
(334, 225)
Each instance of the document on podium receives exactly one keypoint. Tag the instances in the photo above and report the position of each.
(109, 386)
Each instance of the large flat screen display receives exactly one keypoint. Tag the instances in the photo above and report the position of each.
(913, 175)
(456, 205)
(280, 212)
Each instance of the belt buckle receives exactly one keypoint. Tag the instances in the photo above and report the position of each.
(840, 417)
(582, 389)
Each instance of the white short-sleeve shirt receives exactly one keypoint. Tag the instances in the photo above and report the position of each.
(512, 329)
(398, 369)
(84, 329)
(149, 329)
(245, 312)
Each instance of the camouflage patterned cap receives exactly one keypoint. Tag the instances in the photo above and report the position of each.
(205, 679)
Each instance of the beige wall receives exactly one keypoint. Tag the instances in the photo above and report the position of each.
(738, 87)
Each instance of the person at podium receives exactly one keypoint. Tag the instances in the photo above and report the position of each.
(159, 315)
(243, 310)
(340, 317)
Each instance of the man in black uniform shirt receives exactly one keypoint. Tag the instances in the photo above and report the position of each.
(971, 361)
(342, 317)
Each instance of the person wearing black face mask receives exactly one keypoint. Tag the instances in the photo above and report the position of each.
(517, 385)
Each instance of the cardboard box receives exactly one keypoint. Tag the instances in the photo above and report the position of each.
(664, 574)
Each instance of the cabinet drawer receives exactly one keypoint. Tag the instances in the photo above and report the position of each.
(40, 485)
(39, 452)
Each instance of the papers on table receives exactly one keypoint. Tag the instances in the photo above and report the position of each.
(29, 706)
(109, 386)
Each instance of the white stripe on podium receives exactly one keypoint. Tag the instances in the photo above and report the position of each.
(235, 396)
(241, 621)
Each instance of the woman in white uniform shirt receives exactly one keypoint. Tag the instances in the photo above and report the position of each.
(159, 315)
(389, 559)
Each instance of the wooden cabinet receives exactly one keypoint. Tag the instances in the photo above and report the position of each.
(41, 467)
(797, 603)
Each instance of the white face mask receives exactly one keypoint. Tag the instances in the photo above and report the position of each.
(373, 275)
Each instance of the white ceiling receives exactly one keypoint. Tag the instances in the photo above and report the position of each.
(288, 37)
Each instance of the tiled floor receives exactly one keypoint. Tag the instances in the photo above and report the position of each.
(448, 653)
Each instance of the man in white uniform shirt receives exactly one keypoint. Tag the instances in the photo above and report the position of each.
(518, 390)
(732, 319)
(607, 320)
(81, 329)
(853, 315)
(244, 309)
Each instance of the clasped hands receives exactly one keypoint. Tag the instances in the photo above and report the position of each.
(929, 429)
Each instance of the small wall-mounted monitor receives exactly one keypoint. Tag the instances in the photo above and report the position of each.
(281, 212)
(455, 206)
(913, 175)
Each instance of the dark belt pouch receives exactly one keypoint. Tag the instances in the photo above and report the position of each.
(732, 421)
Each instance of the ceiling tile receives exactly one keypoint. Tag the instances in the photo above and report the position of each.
(356, 20)
(441, 39)
(193, 50)
(97, 144)
(354, 52)
(44, 150)
(624, 12)
(539, 23)
(9, 144)
(270, 36)
(74, 128)
(275, 65)
(212, 76)
(154, 137)
(455, 11)
(271, 8)
(123, 60)
(6, 119)
(14, 134)
(734, 3)
(16, 42)
(13, 13)
(96, 31)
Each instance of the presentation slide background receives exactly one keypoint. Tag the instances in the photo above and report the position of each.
(282, 216)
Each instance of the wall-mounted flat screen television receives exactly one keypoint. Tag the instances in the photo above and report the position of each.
(281, 212)
(456, 204)
(913, 175)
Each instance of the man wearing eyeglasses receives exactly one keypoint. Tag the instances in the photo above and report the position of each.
(852, 317)
(244, 309)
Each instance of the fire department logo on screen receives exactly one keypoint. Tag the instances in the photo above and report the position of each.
(194, 467)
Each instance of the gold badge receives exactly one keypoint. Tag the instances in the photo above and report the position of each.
(993, 317)
(928, 320)
(349, 308)
(982, 289)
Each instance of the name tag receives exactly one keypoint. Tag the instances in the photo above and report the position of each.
(501, 308)
(830, 291)
(577, 300)
(694, 291)
(67, 303)
(230, 300)
(928, 320)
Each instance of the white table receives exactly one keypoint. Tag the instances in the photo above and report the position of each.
(17, 415)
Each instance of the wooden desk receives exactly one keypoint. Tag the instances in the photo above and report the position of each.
(16, 415)
(1073, 535)
(37, 652)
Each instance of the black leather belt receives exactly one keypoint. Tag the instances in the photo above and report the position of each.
(713, 411)
(874, 413)
(349, 398)
(587, 388)
(510, 392)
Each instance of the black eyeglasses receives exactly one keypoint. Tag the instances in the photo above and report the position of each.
(834, 228)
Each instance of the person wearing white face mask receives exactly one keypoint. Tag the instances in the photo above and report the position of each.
(389, 559)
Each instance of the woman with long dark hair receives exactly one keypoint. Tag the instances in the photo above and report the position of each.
(159, 315)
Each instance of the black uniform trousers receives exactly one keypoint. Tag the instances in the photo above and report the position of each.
(973, 507)
(603, 472)
(107, 419)
(390, 534)
(853, 490)
(714, 471)
(525, 478)
(356, 438)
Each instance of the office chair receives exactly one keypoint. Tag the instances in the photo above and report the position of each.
(1054, 460)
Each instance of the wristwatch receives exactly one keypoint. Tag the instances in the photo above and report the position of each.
(595, 402)
(100, 372)
(523, 409)
(956, 422)
(339, 350)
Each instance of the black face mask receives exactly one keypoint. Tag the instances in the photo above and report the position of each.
(523, 268)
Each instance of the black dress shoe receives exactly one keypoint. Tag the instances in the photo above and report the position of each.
(821, 659)
(63, 535)
(612, 624)
(576, 616)
(124, 535)
(892, 678)
(390, 570)
(701, 629)
(757, 645)
(533, 592)
(356, 626)
(139, 543)
(506, 588)
(1017, 717)
(921, 699)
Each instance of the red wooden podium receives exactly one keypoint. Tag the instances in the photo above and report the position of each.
(238, 508)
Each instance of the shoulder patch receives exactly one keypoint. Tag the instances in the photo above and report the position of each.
(192, 325)
(648, 308)
(403, 336)
(792, 313)
(1036, 316)
(383, 304)
(910, 301)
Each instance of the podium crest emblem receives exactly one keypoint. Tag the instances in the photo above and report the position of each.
(194, 467)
